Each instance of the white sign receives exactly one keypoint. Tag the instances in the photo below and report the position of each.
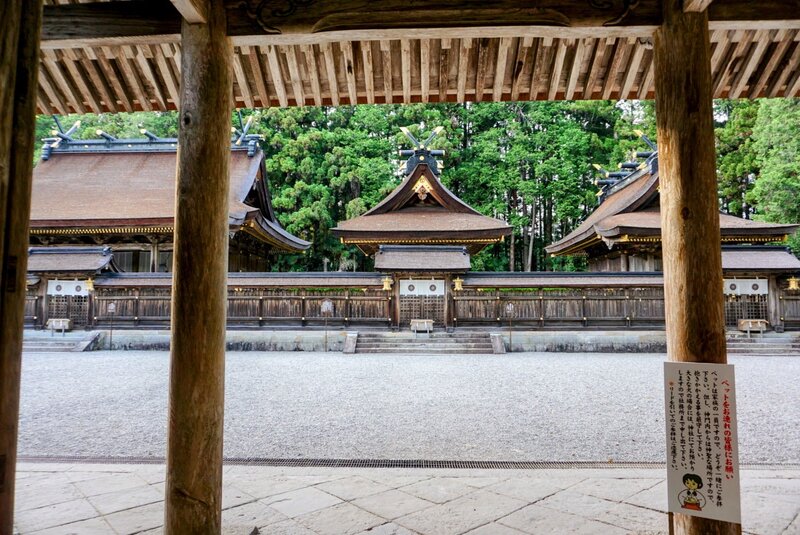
(421, 287)
(745, 287)
(702, 442)
(58, 287)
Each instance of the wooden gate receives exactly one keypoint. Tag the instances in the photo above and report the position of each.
(745, 307)
(422, 300)
(73, 307)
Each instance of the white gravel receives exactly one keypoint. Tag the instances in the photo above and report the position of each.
(525, 406)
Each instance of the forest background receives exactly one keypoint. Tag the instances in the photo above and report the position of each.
(528, 163)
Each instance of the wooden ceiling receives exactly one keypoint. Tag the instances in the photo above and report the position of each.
(99, 73)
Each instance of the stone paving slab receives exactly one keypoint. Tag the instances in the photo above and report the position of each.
(115, 499)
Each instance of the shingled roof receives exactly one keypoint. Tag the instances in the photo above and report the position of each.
(78, 260)
(422, 211)
(631, 213)
(131, 186)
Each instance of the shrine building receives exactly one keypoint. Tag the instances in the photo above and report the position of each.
(421, 236)
(120, 193)
(623, 234)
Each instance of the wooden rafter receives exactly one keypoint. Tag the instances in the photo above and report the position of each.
(350, 71)
(311, 68)
(500, 68)
(277, 75)
(520, 64)
(138, 21)
(386, 57)
(136, 73)
(194, 11)
(444, 69)
(369, 76)
(330, 69)
(259, 74)
(293, 62)
(696, 6)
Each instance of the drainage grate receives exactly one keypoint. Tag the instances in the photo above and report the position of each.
(389, 463)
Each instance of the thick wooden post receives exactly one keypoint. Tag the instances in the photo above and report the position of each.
(19, 68)
(689, 211)
(199, 282)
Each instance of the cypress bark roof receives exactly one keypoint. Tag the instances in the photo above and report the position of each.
(77, 191)
(408, 258)
(631, 212)
(759, 258)
(85, 260)
(422, 211)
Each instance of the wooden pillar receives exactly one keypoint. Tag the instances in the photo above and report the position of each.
(689, 214)
(154, 255)
(19, 67)
(199, 284)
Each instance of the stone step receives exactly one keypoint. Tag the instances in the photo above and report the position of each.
(48, 349)
(423, 343)
(774, 341)
(762, 352)
(762, 349)
(400, 350)
(410, 336)
(424, 339)
(414, 347)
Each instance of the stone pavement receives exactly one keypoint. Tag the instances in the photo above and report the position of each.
(63, 499)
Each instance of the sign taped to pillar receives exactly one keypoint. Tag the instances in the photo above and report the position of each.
(702, 440)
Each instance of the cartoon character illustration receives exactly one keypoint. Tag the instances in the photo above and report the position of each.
(690, 498)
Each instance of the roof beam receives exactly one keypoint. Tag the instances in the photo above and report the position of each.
(463, 67)
(444, 69)
(519, 66)
(157, 21)
(330, 69)
(259, 76)
(313, 73)
(369, 80)
(575, 70)
(386, 55)
(425, 68)
(696, 6)
(500, 68)
(194, 11)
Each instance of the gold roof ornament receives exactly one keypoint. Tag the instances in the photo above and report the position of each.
(458, 284)
(794, 284)
(387, 283)
(422, 188)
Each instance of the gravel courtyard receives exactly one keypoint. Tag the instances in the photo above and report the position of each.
(524, 406)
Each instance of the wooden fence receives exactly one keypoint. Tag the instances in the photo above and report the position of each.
(147, 305)
(255, 307)
(561, 307)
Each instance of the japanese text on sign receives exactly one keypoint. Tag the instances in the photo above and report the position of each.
(702, 454)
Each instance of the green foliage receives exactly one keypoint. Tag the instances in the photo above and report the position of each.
(777, 145)
(737, 164)
(759, 160)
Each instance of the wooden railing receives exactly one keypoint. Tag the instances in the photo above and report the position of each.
(556, 307)
(144, 307)
(585, 306)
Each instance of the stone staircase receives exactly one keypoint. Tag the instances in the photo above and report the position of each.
(435, 343)
(43, 342)
(770, 344)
